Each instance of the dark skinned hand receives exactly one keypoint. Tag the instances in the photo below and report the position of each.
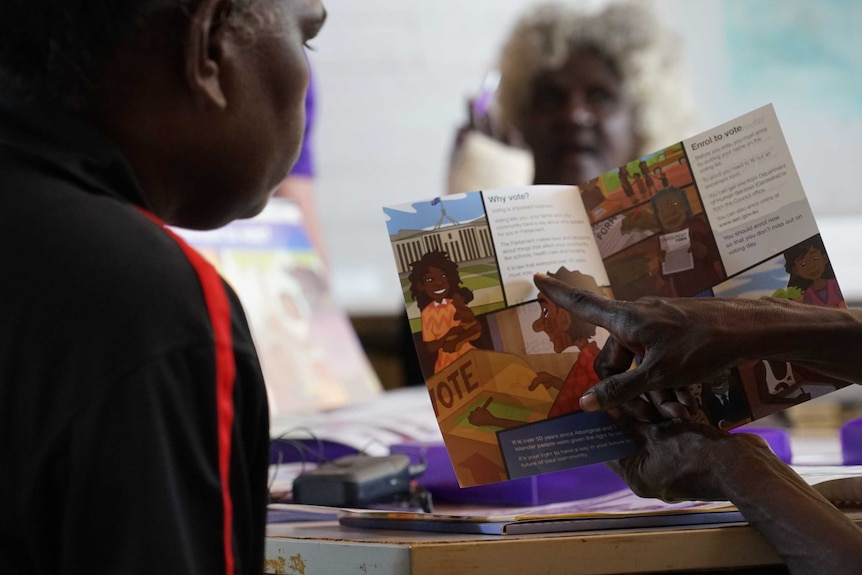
(687, 340)
(678, 339)
(681, 461)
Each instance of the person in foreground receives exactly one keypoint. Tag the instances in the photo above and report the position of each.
(134, 434)
(688, 339)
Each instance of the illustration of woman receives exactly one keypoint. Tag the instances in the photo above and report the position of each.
(811, 272)
(448, 324)
(674, 215)
(564, 332)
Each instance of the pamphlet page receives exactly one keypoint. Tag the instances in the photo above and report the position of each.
(721, 214)
(504, 367)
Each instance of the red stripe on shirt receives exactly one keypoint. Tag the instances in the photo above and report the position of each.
(218, 308)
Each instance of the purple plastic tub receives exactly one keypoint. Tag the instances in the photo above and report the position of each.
(439, 478)
(851, 442)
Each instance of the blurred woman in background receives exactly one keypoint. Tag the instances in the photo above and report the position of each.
(584, 92)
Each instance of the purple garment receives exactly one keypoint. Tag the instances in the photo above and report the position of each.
(304, 165)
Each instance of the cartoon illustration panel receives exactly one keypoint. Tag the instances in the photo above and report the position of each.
(530, 379)
(636, 182)
(445, 257)
(801, 273)
(679, 259)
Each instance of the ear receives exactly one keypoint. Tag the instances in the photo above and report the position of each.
(563, 319)
(205, 51)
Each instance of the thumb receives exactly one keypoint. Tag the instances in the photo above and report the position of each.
(614, 390)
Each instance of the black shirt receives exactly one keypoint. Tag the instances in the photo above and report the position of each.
(109, 445)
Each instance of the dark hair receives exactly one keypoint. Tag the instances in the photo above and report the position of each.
(794, 253)
(440, 260)
(670, 191)
(578, 328)
(51, 49)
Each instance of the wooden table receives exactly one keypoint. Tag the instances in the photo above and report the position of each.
(325, 548)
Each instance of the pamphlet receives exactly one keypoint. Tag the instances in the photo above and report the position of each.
(721, 214)
(618, 510)
(310, 355)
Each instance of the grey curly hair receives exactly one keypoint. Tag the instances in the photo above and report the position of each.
(645, 54)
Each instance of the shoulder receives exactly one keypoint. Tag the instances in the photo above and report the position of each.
(125, 255)
(98, 268)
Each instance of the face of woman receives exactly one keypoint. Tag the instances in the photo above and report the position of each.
(435, 284)
(671, 214)
(811, 265)
(579, 122)
(555, 322)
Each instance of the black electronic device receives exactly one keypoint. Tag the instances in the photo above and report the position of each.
(355, 480)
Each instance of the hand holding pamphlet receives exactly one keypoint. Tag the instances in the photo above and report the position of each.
(505, 367)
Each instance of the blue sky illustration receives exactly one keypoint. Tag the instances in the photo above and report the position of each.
(425, 215)
(757, 282)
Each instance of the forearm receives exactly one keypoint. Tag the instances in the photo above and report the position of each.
(826, 340)
(804, 529)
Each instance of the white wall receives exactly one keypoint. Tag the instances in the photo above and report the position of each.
(393, 77)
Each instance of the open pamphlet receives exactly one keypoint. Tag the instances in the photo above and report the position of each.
(721, 214)
(617, 510)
